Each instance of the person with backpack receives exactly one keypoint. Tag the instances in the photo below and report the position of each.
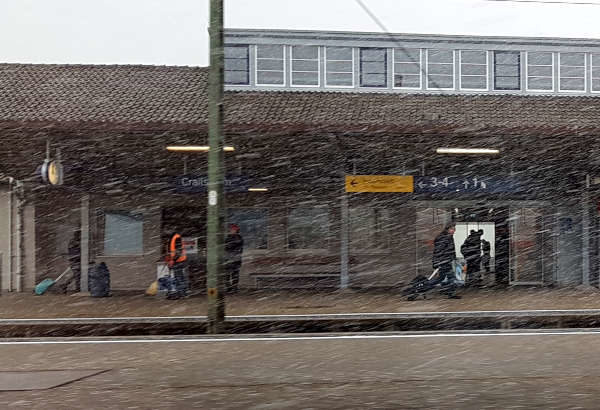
(234, 247)
(471, 251)
(444, 254)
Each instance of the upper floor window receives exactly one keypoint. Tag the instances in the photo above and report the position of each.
(595, 73)
(571, 72)
(473, 70)
(270, 65)
(305, 66)
(407, 68)
(339, 67)
(540, 68)
(373, 67)
(440, 69)
(507, 70)
(237, 67)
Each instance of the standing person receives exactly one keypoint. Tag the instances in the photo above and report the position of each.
(234, 246)
(471, 251)
(444, 254)
(175, 259)
(74, 250)
(486, 248)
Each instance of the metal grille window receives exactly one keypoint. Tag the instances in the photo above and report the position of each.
(540, 69)
(473, 70)
(507, 70)
(270, 65)
(370, 228)
(253, 223)
(123, 233)
(440, 69)
(373, 67)
(308, 228)
(305, 66)
(571, 69)
(407, 68)
(339, 67)
(237, 65)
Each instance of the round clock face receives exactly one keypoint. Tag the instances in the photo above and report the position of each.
(54, 173)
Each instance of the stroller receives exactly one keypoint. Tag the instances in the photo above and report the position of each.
(422, 285)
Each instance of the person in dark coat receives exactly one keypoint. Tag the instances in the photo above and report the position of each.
(74, 251)
(234, 246)
(471, 251)
(486, 248)
(444, 254)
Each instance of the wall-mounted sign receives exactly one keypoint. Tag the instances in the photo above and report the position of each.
(379, 183)
(193, 184)
(467, 184)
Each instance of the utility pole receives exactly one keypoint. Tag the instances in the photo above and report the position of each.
(216, 203)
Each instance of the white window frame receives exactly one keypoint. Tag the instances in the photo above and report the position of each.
(352, 72)
(537, 65)
(304, 59)
(585, 68)
(487, 71)
(256, 70)
(420, 70)
(592, 74)
(249, 68)
(427, 69)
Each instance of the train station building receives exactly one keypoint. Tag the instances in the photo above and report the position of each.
(349, 153)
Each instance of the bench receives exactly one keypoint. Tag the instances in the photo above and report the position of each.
(295, 271)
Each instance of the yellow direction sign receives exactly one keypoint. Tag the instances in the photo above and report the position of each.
(379, 183)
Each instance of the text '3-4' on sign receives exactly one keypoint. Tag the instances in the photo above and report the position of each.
(379, 183)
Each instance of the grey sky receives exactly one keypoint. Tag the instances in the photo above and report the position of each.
(174, 32)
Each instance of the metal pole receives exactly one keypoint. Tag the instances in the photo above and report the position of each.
(216, 205)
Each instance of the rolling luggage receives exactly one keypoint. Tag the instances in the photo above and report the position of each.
(46, 284)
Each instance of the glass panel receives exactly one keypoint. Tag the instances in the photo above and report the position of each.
(506, 57)
(407, 55)
(478, 83)
(572, 59)
(236, 51)
(308, 228)
(507, 83)
(572, 72)
(372, 54)
(407, 80)
(339, 79)
(473, 57)
(236, 64)
(440, 81)
(539, 58)
(539, 83)
(270, 65)
(446, 69)
(440, 56)
(253, 225)
(507, 71)
(596, 71)
(539, 71)
(269, 51)
(269, 77)
(596, 84)
(305, 52)
(236, 77)
(407, 68)
(470, 69)
(305, 78)
(572, 84)
(370, 228)
(305, 65)
(123, 233)
(373, 80)
(339, 66)
(373, 68)
(339, 53)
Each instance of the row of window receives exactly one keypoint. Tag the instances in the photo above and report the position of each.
(410, 67)
(308, 228)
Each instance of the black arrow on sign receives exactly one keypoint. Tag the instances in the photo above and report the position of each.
(353, 182)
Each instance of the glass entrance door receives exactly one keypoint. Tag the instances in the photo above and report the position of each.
(429, 223)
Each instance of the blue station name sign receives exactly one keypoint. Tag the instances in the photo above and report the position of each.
(467, 184)
(193, 184)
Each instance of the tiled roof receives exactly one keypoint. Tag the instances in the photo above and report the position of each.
(162, 96)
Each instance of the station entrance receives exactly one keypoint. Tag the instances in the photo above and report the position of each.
(522, 239)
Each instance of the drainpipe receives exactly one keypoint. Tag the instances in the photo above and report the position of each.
(20, 193)
(10, 237)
